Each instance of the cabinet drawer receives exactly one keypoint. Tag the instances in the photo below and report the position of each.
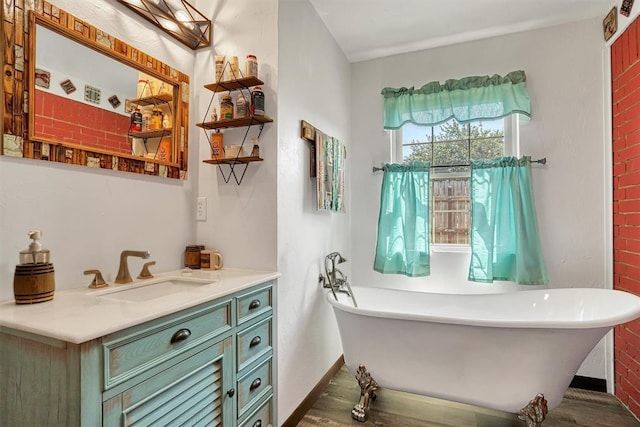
(253, 342)
(253, 386)
(131, 352)
(190, 392)
(261, 418)
(253, 304)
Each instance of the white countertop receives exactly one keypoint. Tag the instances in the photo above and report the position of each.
(82, 314)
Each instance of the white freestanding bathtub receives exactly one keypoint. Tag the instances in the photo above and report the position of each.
(493, 350)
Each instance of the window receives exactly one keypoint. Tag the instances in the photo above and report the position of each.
(450, 147)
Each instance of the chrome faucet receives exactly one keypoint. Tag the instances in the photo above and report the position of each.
(123, 271)
(332, 274)
(334, 279)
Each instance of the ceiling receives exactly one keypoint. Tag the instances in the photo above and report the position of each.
(368, 29)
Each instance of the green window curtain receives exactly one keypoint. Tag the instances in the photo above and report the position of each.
(403, 224)
(468, 99)
(505, 244)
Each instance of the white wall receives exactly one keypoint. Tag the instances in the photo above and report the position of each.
(241, 220)
(564, 67)
(88, 216)
(314, 85)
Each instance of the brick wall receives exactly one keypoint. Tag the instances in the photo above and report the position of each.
(625, 75)
(80, 123)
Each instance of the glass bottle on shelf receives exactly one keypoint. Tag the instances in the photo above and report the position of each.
(251, 66)
(226, 108)
(136, 121)
(156, 119)
(242, 106)
(146, 120)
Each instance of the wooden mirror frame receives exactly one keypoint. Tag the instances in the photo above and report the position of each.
(18, 81)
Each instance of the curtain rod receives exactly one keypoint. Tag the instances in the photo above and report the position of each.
(542, 161)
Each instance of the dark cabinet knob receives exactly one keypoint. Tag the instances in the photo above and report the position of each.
(255, 341)
(254, 304)
(255, 384)
(231, 392)
(257, 424)
(181, 335)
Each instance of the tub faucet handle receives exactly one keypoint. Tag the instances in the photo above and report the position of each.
(98, 280)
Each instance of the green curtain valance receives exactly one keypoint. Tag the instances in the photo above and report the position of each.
(468, 99)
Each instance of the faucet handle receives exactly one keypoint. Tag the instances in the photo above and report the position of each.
(98, 281)
(145, 273)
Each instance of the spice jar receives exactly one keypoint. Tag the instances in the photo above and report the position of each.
(257, 102)
(143, 88)
(251, 66)
(234, 68)
(242, 106)
(146, 120)
(226, 108)
(156, 119)
(219, 67)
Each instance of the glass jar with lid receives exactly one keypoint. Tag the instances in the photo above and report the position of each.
(156, 119)
(226, 108)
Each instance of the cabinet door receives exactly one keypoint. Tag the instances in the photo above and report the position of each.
(192, 392)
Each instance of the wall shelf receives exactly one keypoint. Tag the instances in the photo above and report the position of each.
(234, 123)
(159, 99)
(230, 85)
(233, 160)
(156, 133)
(241, 84)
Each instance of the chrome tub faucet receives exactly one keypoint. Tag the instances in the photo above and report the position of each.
(334, 279)
(332, 273)
(123, 270)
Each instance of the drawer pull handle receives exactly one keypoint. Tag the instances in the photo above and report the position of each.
(255, 341)
(254, 304)
(181, 335)
(255, 384)
(231, 392)
(257, 424)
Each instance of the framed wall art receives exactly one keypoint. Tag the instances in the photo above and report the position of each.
(610, 23)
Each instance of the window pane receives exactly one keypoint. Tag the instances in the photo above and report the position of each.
(450, 153)
(452, 143)
(487, 140)
(450, 211)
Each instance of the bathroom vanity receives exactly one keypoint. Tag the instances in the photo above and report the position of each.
(171, 350)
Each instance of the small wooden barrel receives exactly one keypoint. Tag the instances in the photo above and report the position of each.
(34, 283)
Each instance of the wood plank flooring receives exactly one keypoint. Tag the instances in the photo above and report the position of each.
(397, 409)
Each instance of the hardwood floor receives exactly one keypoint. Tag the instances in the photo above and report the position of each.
(397, 409)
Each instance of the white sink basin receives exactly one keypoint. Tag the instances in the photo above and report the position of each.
(148, 290)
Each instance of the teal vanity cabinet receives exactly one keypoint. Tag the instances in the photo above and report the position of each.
(207, 365)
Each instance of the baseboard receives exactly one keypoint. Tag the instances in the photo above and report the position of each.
(589, 383)
(313, 395)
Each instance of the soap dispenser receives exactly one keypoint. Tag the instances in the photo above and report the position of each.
(34, 254)
(34, 279)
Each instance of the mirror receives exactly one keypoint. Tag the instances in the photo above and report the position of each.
(95, 101)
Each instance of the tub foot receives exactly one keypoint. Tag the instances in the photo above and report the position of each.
(368, 387)
(535, 412)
